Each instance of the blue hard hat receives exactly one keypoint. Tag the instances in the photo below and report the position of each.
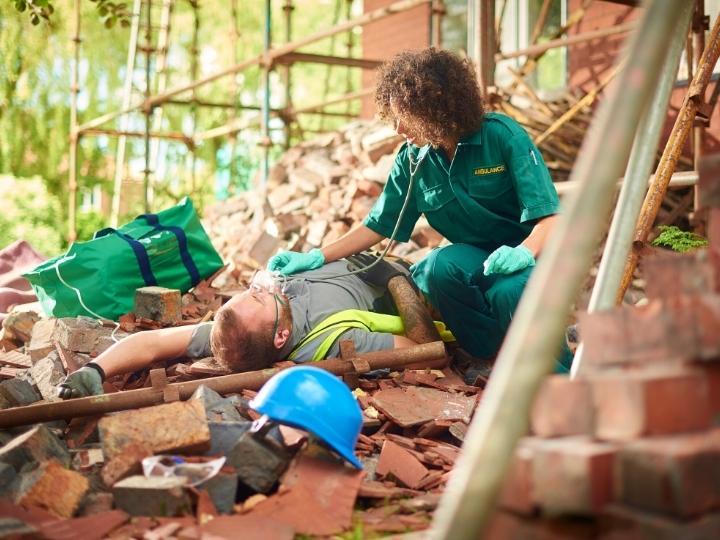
(316, 401)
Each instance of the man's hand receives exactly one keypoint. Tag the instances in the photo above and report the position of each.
(506, 260)
(380, 274)
(292, 262)
(86, 381)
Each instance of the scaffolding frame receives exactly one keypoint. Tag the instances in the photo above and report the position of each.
(284, 55)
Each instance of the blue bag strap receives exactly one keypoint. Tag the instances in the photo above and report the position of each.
(139, 251)
(187, 260)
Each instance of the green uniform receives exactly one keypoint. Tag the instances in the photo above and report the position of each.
(491, 194)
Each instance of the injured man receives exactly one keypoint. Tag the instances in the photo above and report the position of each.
(302, 320)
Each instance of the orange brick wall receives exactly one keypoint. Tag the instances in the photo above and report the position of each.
(384, 38)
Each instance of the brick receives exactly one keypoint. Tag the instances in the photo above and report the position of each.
(126, 463)
(18, 325)
(47, 374)
(670, 274)
(263, 247)
(397, 462)
(563, 407)
(633, 405)
(572, 475)
(78, 334)
(683, 327)
(506, 526)
(172, 427)
(713, 234)
(19, 392)
(36, 445)
(54, 488)
(624, 523)
(154, 496)
(41, 343)
(15, 359)
(158, 304)
(516, 494)
(677, 475)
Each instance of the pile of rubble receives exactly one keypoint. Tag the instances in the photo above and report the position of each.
(316, 192)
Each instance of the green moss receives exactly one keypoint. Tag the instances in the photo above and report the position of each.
(677, 240)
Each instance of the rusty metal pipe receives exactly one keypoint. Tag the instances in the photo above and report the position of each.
(418, 323)
(427, 353)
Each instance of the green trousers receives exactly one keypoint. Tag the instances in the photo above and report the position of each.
(478, 309)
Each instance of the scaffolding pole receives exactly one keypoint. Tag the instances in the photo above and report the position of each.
(265, 141)
(74, 134)
(635, 184)
(533, 341)
(676, 141)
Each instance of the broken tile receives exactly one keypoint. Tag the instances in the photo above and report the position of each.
(413, 405)
(92, 527)
(252, 527)
(401, 464)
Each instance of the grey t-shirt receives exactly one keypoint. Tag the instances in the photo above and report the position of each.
(314, 296)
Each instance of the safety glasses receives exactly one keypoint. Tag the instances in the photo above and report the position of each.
(263, 281)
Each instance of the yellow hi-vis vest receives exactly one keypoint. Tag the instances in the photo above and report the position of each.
(355, 318)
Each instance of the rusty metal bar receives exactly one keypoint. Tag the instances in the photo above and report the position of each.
(429, 353)
(292, 57)
(419, 326)
(678, 136)
(531, 346)
(566, 42)
(117, 132)
(698, 42)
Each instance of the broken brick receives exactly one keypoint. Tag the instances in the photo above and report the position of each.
(153, 496)
(78, 334)
(632, 405)
(401, 464)
(264, 246)
(669, 274)
(562, 407)
(47, 374)
(572, 475)
(15, 359)
(18, 326)
(54, 488)
(172, 427)
(125, 463)
(38, 444)
(677, 475)
(41, 343)
(158, 304)
(19, 392)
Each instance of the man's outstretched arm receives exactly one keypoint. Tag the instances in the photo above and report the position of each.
(130, 354)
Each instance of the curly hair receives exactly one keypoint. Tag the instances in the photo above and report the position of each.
(434, 91)
(236, 348)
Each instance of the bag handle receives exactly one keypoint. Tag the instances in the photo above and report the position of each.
(139, 251)
(187, 260)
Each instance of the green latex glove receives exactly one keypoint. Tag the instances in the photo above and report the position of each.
(506, 260)
(292, 262)
(86, 381)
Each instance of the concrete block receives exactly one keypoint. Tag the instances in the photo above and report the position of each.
(154, 496)
(79, 334)
(158, 304)
(222, 489)
(41, 342)
(572, 475)
(677, 475)
(562, 407)
(19, 392)
(173, 427)
(633, 405)
(47, 374)
(218, 408)
(53, 488)
(37, 445)
(259, 461)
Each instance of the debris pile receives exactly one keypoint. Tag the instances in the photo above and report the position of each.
(316, 192)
